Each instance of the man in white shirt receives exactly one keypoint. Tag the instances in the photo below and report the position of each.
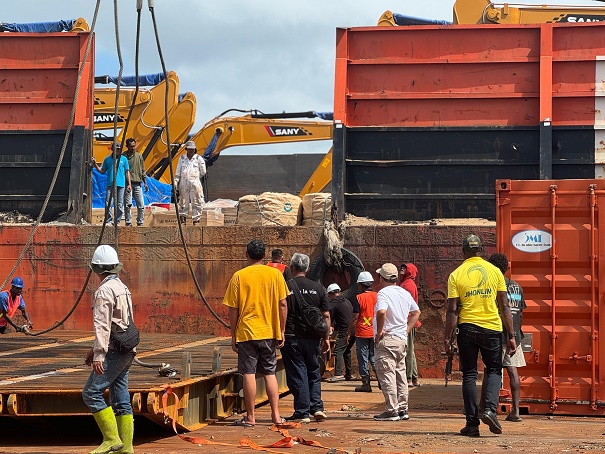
(187, 182)
(391, 329)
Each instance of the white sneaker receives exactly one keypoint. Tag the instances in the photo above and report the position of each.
(296, 418)
(320, 416)
(387, 416)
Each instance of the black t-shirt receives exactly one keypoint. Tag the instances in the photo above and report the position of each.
(516, 303)
(314, 294)
(341, 313)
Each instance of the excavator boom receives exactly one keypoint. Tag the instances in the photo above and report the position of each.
(148, 118)
(180, 122)
(252, 129)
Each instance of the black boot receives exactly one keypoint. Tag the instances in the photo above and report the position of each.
(365, 385)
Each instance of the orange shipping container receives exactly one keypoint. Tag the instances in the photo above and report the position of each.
(44, 77)
(549, 231)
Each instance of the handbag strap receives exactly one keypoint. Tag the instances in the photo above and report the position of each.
(300, 300)
(128, 304)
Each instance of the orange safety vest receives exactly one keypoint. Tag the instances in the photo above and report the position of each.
(279, 266)
(365, 322)
(13, 305)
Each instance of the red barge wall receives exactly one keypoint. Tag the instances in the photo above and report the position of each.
(165, 298)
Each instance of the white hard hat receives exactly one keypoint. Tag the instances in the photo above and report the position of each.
(365, 277)
(333, 288)
(105, 255)
(190, 145)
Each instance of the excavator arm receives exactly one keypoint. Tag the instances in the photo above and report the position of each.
(180, 121)
(148, 118)
(251, 129)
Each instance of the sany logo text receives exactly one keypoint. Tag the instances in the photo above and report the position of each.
(275, 131)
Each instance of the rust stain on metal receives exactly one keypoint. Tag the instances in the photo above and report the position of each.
(165, 299)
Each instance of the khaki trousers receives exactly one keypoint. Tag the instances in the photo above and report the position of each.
(389, 355)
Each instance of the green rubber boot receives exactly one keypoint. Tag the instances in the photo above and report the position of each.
(106, 421)
(126, 431)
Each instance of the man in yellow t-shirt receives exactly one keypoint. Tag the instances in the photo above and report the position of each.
(478, 304)
(256, 297)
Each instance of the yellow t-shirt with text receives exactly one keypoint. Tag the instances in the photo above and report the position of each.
(256, 291)
(476, 282)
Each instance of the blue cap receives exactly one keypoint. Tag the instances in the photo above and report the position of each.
(17, 282)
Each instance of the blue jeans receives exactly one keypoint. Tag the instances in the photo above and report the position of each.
(115, 378)
(301, 362)
(365, 355)
(120, 198)
(137, 192)
(471, 340)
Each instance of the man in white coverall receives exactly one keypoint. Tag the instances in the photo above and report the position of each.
(187, 182)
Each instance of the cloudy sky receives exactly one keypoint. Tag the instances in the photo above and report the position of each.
(270, 55)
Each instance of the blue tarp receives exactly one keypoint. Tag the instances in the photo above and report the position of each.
(325, 115)
(39, 27)
(158, 192)
(400, 19)
(145, 80)
(210, 149)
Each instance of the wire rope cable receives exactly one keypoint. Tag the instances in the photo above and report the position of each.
(182, 236)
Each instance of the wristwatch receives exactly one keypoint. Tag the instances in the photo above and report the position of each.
(511, 336)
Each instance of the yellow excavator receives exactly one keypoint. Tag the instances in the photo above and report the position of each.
(148, 119)
(147, 126)
(255, 128)
(486, 12)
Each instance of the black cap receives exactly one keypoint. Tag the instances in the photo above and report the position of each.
(472, 243)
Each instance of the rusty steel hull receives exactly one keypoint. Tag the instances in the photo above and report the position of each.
(44, 376)
(165, 299)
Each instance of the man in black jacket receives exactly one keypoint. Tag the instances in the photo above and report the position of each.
(341, 314)
(301, 350)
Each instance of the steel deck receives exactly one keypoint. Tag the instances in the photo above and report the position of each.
(44, 376)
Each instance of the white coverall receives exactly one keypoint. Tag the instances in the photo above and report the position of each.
(188, 181)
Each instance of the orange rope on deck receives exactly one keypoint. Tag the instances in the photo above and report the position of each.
(288, 441)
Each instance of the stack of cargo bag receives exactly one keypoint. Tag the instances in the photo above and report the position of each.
(226, 206)
(316, 208)
(269, 209)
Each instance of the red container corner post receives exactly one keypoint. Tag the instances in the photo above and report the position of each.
(549, 230)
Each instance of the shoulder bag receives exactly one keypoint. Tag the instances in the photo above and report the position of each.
(309, 315)
(127, 340)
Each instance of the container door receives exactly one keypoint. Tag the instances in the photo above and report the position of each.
(549, 231)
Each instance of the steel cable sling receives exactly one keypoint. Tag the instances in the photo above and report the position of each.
(178, 217)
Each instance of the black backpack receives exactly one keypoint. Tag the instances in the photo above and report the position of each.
(309, 316)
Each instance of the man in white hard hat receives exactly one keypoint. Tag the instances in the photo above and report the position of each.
(362, 328)
(112, 311)
(188, 183)
(341, 313)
